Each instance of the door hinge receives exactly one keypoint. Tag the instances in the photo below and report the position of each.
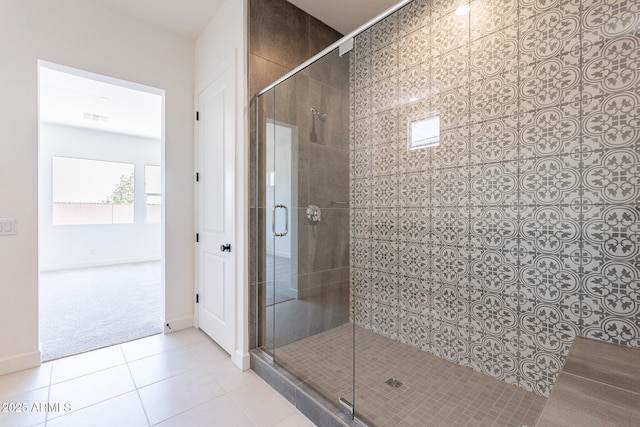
(345, 406)
(197, 115)
(197, 237)
(197, 177)
(197, 298)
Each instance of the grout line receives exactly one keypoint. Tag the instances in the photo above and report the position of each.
(84, 375)
(88, 406)
(519, 380)
(197, 406)
(581, 222)
(204, 365)
(93, 404)
(601, 383)
(201, 364)
(46, 417)
(136, 388)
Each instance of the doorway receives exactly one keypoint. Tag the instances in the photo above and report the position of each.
(100, 210)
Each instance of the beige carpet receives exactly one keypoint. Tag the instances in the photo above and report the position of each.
(89, 308)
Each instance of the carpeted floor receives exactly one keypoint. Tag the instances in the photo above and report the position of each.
(89, 308)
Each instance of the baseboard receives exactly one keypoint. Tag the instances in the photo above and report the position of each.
(102, 263)
(173, 325)
(242, 360)
(20, 362)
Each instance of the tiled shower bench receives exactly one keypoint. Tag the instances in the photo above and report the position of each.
(599, 386)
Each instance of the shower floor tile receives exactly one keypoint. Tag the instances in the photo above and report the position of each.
(434, 392)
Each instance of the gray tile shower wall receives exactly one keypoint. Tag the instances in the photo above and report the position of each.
(320, 176)
(520, 230)
(281, 36)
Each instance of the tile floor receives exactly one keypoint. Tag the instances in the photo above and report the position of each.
(434, 392)
(181, 379)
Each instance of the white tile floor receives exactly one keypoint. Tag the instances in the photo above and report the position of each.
(181, 379)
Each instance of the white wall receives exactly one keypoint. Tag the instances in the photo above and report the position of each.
(87, 36)
(224, 37)
(72, 246)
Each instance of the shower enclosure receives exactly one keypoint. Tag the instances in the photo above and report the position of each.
(322, 315)
(303, 218)
(443, 208)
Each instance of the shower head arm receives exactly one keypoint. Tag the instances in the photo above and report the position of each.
(322, 116)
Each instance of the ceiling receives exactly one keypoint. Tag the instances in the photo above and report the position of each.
(344, 15)
(189, 18)
(94, 104)
(185, 18)
(72, 100)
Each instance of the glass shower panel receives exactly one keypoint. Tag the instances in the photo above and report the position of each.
(266, 195)
(285, 230)
(304, 183)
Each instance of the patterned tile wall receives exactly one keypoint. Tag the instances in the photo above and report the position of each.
(520, 231)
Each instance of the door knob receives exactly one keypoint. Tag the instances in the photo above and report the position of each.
(226, 247)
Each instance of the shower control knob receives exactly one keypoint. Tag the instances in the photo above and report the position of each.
(314, 215)
(226, 247)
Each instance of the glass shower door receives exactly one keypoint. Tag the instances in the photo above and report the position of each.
(303, 185)
(278, 192)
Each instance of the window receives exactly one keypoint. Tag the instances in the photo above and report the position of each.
(153, 193)
(92, 192)
(424, 131)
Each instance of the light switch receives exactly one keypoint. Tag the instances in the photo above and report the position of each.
(7, 226)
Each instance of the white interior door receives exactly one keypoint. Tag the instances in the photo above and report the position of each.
(216, 201)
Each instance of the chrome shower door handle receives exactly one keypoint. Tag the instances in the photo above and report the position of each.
(286, 220)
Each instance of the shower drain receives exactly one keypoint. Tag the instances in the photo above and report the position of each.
(394, 382)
